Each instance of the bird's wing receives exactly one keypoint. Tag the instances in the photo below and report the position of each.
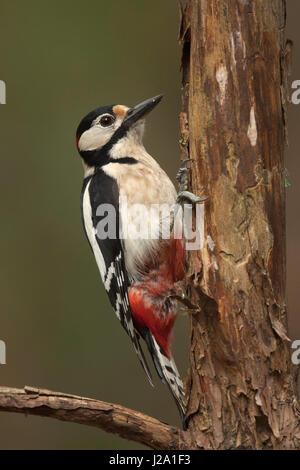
(99, 208)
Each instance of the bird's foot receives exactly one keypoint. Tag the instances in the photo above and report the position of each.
(184, 194)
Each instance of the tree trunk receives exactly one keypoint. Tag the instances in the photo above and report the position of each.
(241, 385)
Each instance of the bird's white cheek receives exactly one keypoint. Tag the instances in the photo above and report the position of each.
(94, 138)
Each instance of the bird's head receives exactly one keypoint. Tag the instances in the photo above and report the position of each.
(108, 131)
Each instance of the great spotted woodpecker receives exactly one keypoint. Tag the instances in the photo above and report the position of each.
(139, 275)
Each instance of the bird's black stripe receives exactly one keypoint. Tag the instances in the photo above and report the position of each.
(84, 185)
(128, 160)
(92, 158)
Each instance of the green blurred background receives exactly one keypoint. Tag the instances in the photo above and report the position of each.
(61, 59)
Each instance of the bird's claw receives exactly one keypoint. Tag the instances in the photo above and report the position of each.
(184, 162)
(190, 197)
(182, 178)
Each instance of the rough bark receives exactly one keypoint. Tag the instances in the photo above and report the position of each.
(241, 384)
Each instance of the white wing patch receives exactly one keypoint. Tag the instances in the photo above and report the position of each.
(91, 231)
(110, 273)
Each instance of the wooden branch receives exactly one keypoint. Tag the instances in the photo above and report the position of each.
(112, 418)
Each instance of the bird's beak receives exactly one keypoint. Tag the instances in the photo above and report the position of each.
(140, 110)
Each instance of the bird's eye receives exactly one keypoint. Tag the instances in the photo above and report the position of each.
(106, 120)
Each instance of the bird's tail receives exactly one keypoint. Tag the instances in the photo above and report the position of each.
(168, 373)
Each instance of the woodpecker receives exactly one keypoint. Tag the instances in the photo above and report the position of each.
(139, 275)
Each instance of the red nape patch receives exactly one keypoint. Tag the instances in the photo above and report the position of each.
(147, 314)
(77, 139)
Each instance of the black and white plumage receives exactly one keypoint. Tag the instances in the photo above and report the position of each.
(102, 189)
(138, 275)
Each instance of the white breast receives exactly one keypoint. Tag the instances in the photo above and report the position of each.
(144, 184)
